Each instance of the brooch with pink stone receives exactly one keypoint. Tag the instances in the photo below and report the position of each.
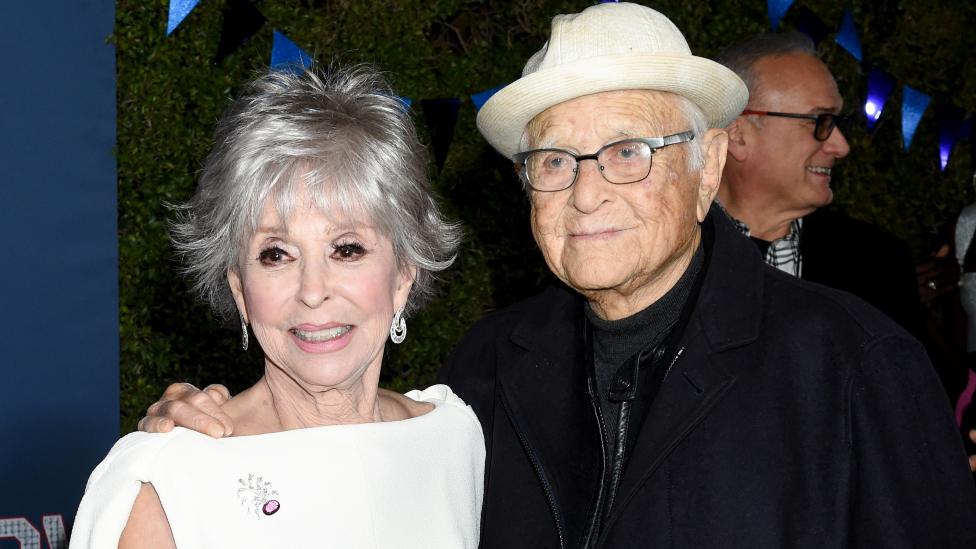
(257, 496)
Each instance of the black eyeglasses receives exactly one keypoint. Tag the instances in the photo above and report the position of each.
(620, 162)
(826, 122)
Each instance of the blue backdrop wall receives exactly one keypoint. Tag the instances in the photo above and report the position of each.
(58, 278)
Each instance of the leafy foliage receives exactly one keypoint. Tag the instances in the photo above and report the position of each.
(170, 94)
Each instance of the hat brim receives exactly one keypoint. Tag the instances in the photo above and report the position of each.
(716, 90)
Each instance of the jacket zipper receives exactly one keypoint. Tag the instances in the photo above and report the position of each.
(593, 526)
(541, 474)
(618, 459)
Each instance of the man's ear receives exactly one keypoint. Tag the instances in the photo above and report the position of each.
(237, 290)
(739, 138)
(715, 146)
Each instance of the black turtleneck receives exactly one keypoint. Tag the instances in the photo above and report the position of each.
(615, 341)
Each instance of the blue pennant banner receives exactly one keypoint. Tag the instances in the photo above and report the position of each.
(440, 116)
(479, 98)
(847, 36)
(287, 56)
(777, 9)
(242, 20)
(880, 86)
(966, 128)
(178, 10)
(811, 25)
(913, 105)
(950, 124)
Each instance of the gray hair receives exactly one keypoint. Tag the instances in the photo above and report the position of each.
(343, 135)
(742, 56)
(698, 125)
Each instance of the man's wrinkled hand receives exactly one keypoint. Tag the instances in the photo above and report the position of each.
(184, 405)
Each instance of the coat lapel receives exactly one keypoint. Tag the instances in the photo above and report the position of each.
(689, 393)
(726, 316)
(542, 382)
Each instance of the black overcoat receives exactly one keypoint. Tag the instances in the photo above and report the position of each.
(865, 260)
(795, 416)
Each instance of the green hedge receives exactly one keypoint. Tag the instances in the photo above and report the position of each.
(170, 93)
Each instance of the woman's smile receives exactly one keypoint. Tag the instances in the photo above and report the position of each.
(328, 340)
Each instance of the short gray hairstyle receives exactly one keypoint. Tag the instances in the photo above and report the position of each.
(742, 56)
(343, 134)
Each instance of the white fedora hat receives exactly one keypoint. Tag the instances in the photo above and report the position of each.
(610, 47)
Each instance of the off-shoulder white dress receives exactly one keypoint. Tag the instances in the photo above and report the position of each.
(415, 483)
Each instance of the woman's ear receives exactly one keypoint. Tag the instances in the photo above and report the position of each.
(237, 290)
(405, 279)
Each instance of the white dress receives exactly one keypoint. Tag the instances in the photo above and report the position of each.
(400, 484)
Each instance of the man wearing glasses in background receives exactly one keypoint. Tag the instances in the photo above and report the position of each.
(782, 151)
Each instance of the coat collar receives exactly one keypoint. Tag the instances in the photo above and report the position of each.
(730, 304)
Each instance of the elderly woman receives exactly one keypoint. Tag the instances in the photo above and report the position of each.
(313, 222)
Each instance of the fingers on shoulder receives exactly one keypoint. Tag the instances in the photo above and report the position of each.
(155, 424)
(177, 391)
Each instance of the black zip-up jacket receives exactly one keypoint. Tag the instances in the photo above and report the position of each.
(793, 416)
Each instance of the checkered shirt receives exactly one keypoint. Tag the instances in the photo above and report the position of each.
(783, 253)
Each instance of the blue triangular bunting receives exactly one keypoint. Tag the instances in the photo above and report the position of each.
(913, 105)
(242, 20)
(880, 86)
(479, 98)
(441, 116)
(178, 10)
(950, 123)
(287, 56)
(809, 24)
(847, 36)
(777, 9)
(966, 128)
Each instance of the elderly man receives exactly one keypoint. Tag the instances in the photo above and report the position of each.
(677, 392)
(782, 151)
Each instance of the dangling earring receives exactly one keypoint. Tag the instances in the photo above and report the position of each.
(398, 328)
(243, 332)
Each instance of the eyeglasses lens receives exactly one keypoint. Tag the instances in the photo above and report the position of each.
(550, 170)
(625, 162)
(825, 126)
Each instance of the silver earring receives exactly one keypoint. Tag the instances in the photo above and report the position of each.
(398, 328)
(243, 332)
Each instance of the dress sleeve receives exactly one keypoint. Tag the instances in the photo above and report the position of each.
(112, 489)
(912, 483)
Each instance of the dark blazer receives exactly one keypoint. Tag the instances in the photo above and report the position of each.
(795, 416)
(865, 260)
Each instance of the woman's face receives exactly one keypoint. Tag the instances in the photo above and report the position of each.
(319, 294)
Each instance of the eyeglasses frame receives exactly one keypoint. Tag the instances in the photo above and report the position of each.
(817, 118)
(654, 143)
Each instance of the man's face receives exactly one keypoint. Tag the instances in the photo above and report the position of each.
(793, 168)
(618, 243)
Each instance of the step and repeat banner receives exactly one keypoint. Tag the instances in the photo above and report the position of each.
(59, 343)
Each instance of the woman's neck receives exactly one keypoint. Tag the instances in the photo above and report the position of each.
(297, 407)
(277, 402)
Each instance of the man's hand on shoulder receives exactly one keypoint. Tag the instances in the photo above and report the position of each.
(184, 405)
